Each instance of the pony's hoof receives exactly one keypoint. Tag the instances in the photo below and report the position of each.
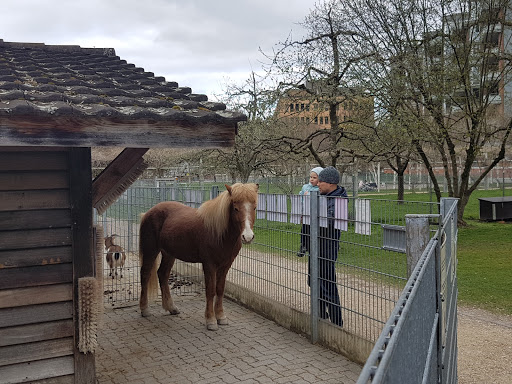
(174, 311)
(145, 312)
(223, 321)
(212, 327)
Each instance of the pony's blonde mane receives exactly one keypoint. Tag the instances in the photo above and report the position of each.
(215, 212)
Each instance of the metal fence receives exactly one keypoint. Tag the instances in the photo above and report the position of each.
(371, 269)
(422, 329)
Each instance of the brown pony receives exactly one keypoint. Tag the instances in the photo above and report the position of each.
(211, 234)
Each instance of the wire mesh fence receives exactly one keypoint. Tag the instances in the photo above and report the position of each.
(370, 268)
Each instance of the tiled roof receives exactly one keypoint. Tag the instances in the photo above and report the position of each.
(38, 81)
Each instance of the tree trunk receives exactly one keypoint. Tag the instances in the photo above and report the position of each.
(401, 187)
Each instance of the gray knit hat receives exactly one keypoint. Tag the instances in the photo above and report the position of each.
(329, 175)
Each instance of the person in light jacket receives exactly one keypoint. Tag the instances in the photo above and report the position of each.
(305, 228)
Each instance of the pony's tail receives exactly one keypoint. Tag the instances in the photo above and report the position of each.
(153, 279)
(152, 288)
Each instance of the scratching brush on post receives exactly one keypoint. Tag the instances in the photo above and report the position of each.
(88, 314)
(99, 242)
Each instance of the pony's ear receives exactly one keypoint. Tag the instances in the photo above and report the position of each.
(228, 188)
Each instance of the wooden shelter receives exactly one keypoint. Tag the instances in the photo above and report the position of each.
(56, 102)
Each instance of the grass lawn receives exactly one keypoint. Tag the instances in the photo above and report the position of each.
(485, 266)
(484, 252)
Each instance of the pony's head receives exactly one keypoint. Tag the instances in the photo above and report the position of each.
(234, 207)
(244, 198)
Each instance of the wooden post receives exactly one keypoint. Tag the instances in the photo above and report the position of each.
(83, 252)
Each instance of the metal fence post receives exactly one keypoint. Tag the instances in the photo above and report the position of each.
(129, 212)
(416, 239)
(313, 265)
(214, 192)
(447, 291)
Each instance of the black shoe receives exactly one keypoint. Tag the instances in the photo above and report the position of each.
(302, 252)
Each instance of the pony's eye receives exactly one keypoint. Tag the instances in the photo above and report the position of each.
(236, 209)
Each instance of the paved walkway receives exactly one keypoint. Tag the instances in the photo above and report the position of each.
(178, 349)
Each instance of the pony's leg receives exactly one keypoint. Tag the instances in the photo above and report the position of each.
(210, 277)
(221, 283)
(163, 277)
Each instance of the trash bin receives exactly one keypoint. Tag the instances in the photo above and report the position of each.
(495, 208)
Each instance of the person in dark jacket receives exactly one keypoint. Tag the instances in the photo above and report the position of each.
(328, 180)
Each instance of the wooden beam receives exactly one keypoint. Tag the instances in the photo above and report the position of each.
(117, 177)
(114, 132)
(83, 250)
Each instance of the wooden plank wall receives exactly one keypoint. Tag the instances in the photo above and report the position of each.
(36, 269)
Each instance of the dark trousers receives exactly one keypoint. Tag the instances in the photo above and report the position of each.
(305, 238)
(329, 297)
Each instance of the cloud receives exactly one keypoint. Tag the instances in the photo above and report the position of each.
(197, 41)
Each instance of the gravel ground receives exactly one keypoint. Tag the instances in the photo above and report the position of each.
(485, 347)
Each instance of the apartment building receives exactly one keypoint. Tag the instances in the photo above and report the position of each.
(301, 107)
(487, 34)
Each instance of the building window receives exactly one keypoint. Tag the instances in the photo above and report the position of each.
(321, 119)
(291, 107)
(302, 119)
(493, 64)
(326, 120)
(316, 119)
(492, 39)
(302, 107)
(297, 106)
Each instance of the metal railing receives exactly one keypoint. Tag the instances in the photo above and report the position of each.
(422, 329)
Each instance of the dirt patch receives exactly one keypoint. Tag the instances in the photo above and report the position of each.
(485, 347)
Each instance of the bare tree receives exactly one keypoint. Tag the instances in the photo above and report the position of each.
(318, 68)
(451, 61)
(255, 149)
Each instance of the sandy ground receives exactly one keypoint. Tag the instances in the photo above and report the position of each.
(485, 347)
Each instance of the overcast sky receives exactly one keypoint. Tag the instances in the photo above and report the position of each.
(197, 43)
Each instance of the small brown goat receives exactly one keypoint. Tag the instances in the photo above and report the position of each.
(115, 256)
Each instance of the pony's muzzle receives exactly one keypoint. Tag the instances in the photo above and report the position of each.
(247, 237)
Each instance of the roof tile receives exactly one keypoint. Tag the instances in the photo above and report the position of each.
(58, 80)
